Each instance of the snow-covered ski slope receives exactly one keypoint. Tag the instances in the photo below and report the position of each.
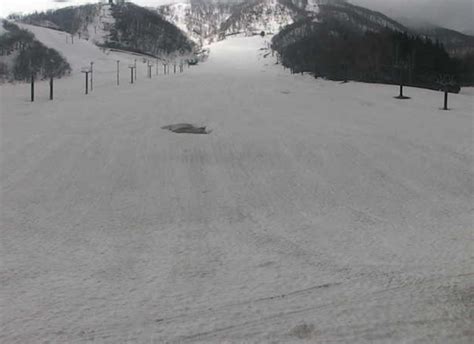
(315, 212)
(80, 52)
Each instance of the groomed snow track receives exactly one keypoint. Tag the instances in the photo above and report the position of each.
(314, 212)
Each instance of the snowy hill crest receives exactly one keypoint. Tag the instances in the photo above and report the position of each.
(269, 16)
(206, 20)
(200, 20)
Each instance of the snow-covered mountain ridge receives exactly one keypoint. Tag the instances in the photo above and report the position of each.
(270, 16)
(200, 20)
(206, 21)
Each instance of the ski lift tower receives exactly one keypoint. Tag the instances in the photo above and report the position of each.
(86, 71)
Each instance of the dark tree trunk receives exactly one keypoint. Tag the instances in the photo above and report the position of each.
(51, 89)
(32, 87)
(87, 83)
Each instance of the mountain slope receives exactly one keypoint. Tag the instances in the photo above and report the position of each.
(347, 42)
(140, 29)
(73, 19)
(23, 54)
(253, 17)
(207, 19)
(79, 54)
(456, 43)
(126, 26)
(335, 15)
(200, 19)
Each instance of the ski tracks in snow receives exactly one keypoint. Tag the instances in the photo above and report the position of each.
(303, 217)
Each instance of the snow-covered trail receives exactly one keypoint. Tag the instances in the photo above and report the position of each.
(314, 212)
(78, 52)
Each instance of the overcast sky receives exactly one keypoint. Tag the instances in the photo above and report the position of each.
(26, 6)
(455, 14)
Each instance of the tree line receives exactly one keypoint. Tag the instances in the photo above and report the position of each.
(136, 28)
(141, 30)
(335, 52)
(68, 19)
(30, 57)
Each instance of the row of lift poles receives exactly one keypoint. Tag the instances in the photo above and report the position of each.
(133, 70)
(133, 77)
(89, 75)
(87, 71)
(444, 81)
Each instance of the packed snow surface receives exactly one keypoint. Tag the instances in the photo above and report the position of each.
(314, 212)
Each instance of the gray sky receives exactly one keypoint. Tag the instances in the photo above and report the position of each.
(455, 14)
(27, 6)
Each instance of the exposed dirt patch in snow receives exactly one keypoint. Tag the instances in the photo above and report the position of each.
(303, 331)
(185, 128)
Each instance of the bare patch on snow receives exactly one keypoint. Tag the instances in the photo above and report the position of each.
(303, 331)
(185, 128)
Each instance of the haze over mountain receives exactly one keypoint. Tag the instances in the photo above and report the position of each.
(453, 14)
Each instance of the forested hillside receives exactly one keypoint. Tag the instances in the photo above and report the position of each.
(22, 56)
(348, 42)
(253, 17)
(73, 20)
(455, 43)
(142, 30)
(126, 26)
(201, 20)
(330, 38)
